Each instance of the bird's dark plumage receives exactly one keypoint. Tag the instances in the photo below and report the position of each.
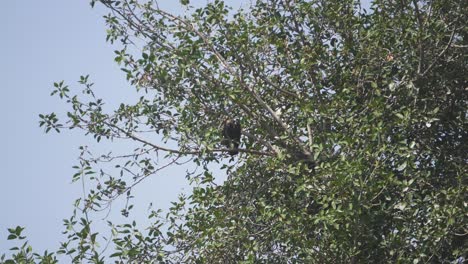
(231, 135)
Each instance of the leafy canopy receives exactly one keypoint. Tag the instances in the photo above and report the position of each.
(354, 134)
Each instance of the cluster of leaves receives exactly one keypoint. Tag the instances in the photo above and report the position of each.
(354, 131)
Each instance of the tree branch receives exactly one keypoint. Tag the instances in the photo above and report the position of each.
(227, 66)
(440, 54)
(188, 152)
(420, 47)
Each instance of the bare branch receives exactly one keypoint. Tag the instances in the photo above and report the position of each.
(420, 47)
(188, 152)
(440, 54)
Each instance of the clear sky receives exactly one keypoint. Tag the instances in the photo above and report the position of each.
(44, 42)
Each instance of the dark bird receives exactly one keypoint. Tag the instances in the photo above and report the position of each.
(231, 135)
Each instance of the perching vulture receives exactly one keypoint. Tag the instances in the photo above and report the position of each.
(231, 135)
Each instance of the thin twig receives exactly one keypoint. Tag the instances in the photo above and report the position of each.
(189, 152)
(440, 54)
(420, 47)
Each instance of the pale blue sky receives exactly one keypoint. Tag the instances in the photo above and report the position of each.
(43, 42)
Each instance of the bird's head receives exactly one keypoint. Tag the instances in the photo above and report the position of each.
(233, 122)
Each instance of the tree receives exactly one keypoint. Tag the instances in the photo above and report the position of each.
(353, 122)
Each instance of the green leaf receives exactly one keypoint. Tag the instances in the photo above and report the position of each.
(402, 166)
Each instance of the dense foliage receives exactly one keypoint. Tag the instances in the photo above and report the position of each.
(354, 134)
